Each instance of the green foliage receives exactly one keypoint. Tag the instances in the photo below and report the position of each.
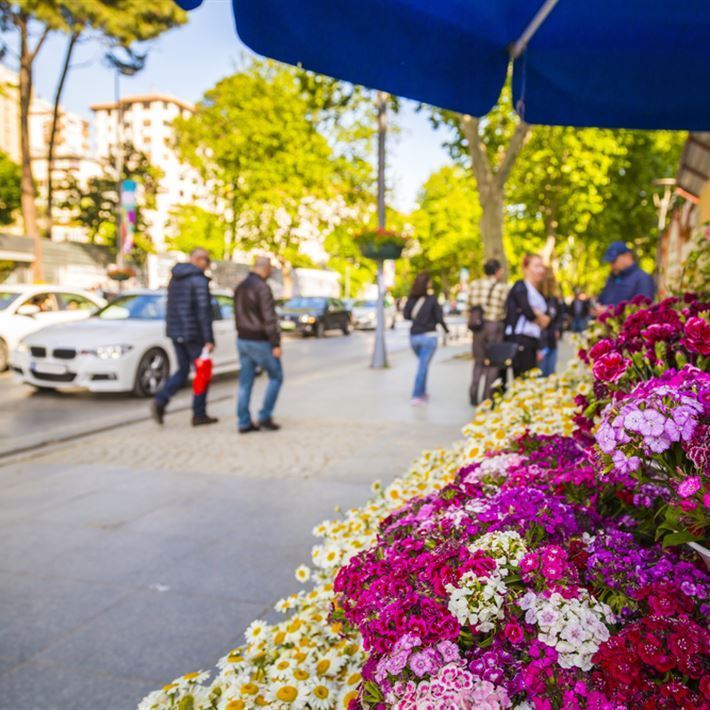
(264, 142)
(9, 189)
(573, 190)
(446, 231)
(193, 227)
(94, 207)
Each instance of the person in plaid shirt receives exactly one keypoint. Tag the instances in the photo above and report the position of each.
(489, 293)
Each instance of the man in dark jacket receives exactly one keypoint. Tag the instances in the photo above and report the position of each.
(258, 344)
(189, 326)
(626, 280)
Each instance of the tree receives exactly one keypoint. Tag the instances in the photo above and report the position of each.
(96, 205)
(260, 140)
(195, 226)
(575, 189)
(446, 227)
(489, 147)
(10, 193)
(22, 16)
(121, 24)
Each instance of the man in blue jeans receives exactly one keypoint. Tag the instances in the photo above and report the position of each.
(189, 325)
(258, 344)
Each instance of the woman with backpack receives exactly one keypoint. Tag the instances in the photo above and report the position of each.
(526, 314)
(423, 309)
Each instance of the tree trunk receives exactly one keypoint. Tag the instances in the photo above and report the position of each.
(55, 124)
(27, 184)
(491, 224)
(490, 183)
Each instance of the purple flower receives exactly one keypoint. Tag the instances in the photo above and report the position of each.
(689, 487)
(605, 438)
(653, 423)
(623, 463)
(449, 651)
(422, 663)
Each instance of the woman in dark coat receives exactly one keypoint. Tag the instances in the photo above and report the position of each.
(423, 309)
(526, 314)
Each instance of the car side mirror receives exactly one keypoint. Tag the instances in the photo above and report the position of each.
(28, 309)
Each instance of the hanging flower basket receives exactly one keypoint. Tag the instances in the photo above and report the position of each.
(381, 244)
(120, 273)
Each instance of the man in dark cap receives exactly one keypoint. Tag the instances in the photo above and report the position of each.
(627, 279)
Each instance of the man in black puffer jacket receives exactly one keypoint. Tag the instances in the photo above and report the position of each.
(189, 326)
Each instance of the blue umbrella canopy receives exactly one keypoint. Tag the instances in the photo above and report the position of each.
(613, 63)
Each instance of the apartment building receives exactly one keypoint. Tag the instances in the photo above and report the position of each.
(146, 122)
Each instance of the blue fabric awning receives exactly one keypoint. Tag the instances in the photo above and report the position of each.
(613, 63)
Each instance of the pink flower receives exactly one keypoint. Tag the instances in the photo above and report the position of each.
(697, 335)
(514, 632)
(689, 487)
(610, 367)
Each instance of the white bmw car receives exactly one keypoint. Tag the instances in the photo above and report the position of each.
(26, 308)
(121, 348)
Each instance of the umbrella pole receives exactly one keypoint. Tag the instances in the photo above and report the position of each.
(379, 354)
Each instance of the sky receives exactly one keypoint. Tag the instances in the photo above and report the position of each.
(189, 60)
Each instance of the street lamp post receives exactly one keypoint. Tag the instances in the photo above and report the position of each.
(379, 354)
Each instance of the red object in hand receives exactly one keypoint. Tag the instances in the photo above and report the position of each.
(203, 373)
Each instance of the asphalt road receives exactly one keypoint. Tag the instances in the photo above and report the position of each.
(29, 418)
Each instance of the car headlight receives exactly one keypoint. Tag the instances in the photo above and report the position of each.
(307, 319)
(22, 347)
(108, 352)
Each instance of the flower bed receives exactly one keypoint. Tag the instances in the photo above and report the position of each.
(523, 567)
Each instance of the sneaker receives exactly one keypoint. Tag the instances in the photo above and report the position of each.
(157, 411)
(200, 420)
(247, 429)
(418, 401)
(269, 424)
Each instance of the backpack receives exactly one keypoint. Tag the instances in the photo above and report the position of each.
(475, 317)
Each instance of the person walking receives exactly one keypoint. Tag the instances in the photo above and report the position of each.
(189, 325)
(258, 344)
(526, 314)
(552, 334)
(486, 320)
(626, 280)
(423, 309)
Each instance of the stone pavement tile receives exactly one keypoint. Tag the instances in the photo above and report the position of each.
(244, 509)
(35, 613)
(29, 545)
(155, 636)
(46, 686)
(254, 572)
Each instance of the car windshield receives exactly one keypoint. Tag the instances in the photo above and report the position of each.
(139, 306)
(6, 298)
(305, 302)
(365, 304)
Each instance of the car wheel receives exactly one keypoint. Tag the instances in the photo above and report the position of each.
(4, 356)
(320, 329)
(152, 372)
(346, 328)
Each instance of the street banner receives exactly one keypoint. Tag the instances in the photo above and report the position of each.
(128, 215)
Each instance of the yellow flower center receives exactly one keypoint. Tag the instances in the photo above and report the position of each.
(287, 693)
(321, 692)
(300, 674)
(190, 676)
(250, 689)
(235, 705)
(354, 679)
(169, 686)
(349, 697)
(322, 666)
(279, 638)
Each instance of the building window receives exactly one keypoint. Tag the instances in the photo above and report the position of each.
(146, 105)
(146, 123)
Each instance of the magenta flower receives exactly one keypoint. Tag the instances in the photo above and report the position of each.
(610, 367)
(688, 487)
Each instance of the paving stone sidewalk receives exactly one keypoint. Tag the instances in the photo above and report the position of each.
(132, 556)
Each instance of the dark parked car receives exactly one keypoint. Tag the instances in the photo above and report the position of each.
(314, 315)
